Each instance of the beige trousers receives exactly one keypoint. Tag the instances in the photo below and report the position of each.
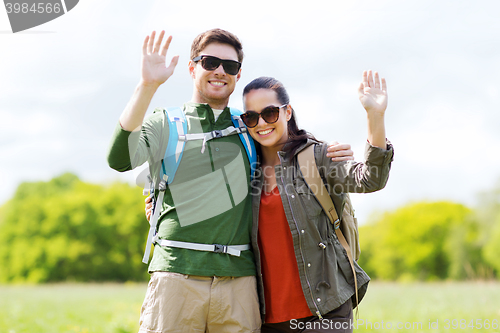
(186, 303)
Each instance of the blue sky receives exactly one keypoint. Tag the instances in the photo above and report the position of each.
(64, 84)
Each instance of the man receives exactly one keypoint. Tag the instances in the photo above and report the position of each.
(196, 290)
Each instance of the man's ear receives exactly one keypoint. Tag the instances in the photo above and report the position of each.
(238, 76)
(191, 68)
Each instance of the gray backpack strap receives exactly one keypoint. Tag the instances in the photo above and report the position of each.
(234, 250)
(231, 130)
(154, 219)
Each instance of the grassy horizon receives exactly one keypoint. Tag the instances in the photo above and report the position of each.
(115, 308)
(448, 304)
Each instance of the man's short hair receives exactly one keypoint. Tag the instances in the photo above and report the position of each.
(216, 36)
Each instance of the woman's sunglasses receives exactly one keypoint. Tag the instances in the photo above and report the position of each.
(210, 63)
(270, 114)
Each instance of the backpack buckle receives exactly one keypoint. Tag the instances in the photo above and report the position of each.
(219, 248)
(217, 134)
(162, 186)
(336, 224)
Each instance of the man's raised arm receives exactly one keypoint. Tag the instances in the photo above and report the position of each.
(129, 147)
(153, 74)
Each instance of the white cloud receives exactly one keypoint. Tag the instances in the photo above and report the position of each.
(19, 127)
(446, 134)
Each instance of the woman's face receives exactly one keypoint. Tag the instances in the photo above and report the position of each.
(268, 135)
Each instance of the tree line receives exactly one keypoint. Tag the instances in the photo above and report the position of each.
(69, 230)
(66, 229)
(434, 241)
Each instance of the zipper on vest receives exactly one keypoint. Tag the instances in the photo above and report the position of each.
(318, 313)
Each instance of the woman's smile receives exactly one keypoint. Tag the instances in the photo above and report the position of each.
(266, 132)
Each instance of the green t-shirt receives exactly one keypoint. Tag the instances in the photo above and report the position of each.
(209, 200)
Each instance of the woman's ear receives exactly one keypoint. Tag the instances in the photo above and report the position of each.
(288, 112)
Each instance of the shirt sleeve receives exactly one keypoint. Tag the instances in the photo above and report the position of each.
(129, 150)
(356, 177)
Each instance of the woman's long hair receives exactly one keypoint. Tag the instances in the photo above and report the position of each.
(296, 136)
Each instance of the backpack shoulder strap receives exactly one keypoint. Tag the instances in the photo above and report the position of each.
(177, 126)
(246, 139)
(309, 170)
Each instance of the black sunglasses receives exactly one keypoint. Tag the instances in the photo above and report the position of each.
(270, 114)
(211, 63)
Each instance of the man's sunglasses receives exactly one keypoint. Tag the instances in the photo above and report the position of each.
(270, 114)
(210, 63)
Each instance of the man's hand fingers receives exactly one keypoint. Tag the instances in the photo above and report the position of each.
(149, 208)
(166, 46)
(335, 146)
(340, 153)
(343, 158)
(174, 62)
(157, 45)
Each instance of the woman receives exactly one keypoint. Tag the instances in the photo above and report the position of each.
(304, 287)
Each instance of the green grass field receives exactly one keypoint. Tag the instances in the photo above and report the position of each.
(114, 308)
(452, 305)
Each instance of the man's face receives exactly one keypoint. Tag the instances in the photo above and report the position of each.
(214, 87)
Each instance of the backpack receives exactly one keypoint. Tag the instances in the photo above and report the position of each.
(349, 227)
(346, 228)
(178, 136)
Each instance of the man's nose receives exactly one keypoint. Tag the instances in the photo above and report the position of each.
(220, 70)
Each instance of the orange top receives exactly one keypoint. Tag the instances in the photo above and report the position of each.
(282, 289)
